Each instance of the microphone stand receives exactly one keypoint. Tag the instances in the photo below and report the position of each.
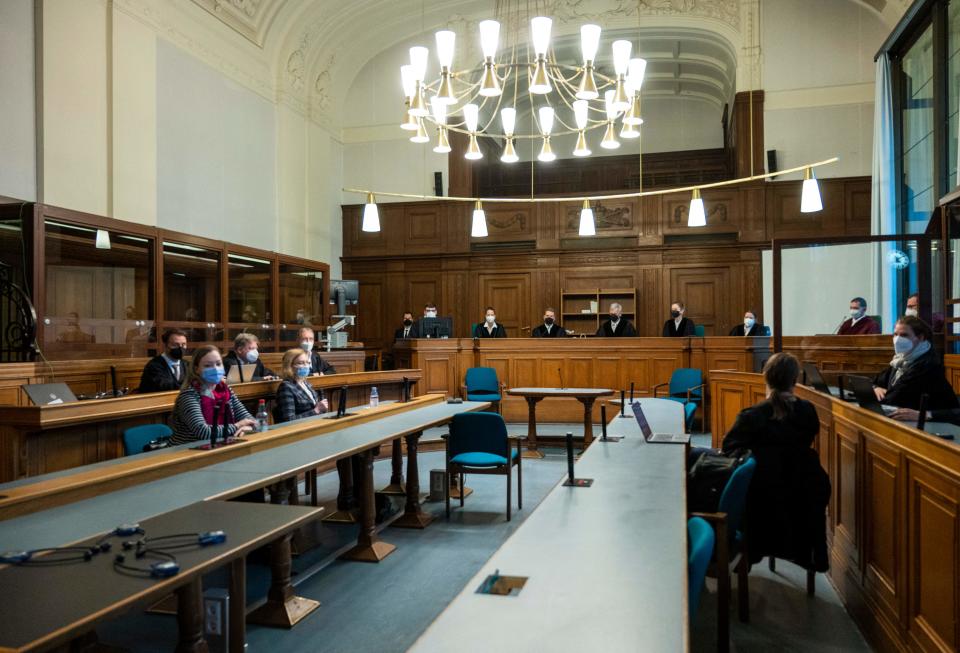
(572, 481)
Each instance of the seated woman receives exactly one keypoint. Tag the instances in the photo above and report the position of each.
(914, 371)
(204, 392)
(789, 492)
(296, 398)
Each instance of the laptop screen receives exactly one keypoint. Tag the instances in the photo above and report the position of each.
(641, 420)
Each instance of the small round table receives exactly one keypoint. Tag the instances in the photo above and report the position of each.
(586, 396)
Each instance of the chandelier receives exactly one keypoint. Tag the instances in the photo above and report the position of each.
(570, 98)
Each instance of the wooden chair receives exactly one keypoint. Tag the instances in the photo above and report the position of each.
(479, 444)
(731, 549)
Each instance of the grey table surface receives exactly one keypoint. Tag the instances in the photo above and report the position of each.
(89, 517)
(607, 565)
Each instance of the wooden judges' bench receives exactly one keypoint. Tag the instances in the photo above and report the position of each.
(894, 516)
(40, 439)
(616, 362)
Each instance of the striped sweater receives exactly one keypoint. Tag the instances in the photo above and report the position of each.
(188, 422)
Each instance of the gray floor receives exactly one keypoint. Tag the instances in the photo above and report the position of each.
(384, 607)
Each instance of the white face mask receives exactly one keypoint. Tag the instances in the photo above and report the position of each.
(252, 356)
(855, 313)
(307, 346)
(748, 323)
(491, 319)
(902, 344)
(430, 314)
(912, 312)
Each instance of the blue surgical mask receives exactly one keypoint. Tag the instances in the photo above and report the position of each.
(303, 372)
(212, 374)
(253, 355)
(306, 345)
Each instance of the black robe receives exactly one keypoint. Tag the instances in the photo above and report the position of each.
(624, 329)
(686, 328)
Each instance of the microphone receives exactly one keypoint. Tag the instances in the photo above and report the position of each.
(837, 330)
(631, 393)
(214, 426)
(570, 478)
(603, 421)
(623, 403)
(922, 417)
(840, 386)
(560, 372)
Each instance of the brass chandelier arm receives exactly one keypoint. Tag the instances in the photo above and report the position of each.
(595, 198)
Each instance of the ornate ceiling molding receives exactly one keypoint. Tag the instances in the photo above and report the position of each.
(249, 18)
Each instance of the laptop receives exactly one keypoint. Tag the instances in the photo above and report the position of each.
(649, 435)
(815, 379)
(863, 390)
(48, 394)
(233, 374)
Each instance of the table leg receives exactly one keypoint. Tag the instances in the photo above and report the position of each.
(190, 618)
(283, 609)
(587, 420)
(369, 548)
(396, 487)
(238, 604)
(413, 516)
(346, 499)
(531, 451)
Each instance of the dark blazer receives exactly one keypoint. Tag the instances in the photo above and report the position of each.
(541, 331)
(788, 496)
(293, 402)
(259, 370)
(158, 377)
(624, 329)
(317, 364)
(414, 333)
(686, 328)
(480, 331)
(925, 376)
(756, 330)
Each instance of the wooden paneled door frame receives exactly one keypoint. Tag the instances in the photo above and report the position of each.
(924, 280)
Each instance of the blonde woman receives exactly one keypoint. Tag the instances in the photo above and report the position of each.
(296, 398)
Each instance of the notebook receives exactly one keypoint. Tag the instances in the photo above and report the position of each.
(45, 394)
(649, 435)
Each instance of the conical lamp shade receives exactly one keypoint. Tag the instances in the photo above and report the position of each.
(103, 239)
(610, 141)
(473, 149)
(371, 216)
(698, 217)
(479, 227)
(587, 225)
(509, 153)
(581, 149)
(489, 84)
(443, 145)
(546, 152)
(810, 201)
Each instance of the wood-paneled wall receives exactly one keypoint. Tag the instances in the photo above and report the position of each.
(894, 517)
(425, 253)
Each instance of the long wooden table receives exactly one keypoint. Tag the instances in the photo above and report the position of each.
(39, 439)
(586, 396)
(606, 565)
(894, 515)
(618, 362)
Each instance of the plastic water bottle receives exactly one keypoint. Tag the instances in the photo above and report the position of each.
(374, 397)
(262, 417)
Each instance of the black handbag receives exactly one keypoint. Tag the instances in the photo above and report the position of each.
(708, 477)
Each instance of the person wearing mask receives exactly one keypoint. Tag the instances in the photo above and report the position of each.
(204, 393)
(788, 495)
(489, 328)
(859, 323)
(915, 370)
(430, 310)
(408, 330)
(318, 366)
(246, 352)
(167, 370)
(679, 325)
(617, 326)
(749, 326)
(913, 310)
(549, 328)
(296, 398)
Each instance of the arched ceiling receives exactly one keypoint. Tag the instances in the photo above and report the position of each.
(315, 48)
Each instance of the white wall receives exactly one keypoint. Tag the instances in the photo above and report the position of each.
(18, 162)
(817, 73)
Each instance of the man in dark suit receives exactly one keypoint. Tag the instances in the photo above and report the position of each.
(167, 370)
(489, 328)
(408, 330)
(246, 348)
(679, 325)
(549, 328)
(749, 326)
(318, 366)
(859, 323)
(617, 326)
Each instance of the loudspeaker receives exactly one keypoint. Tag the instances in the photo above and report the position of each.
(772, 162)
(438, 184)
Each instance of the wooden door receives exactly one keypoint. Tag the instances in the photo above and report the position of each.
(706, 293)
(509, 294)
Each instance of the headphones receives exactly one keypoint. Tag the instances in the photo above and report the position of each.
(165, 568)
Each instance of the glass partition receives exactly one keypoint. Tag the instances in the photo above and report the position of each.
(302, 294)
(250, 286)
(818, 282)
(99, 287)
(953, 93)
(191, 284)
(917, 120)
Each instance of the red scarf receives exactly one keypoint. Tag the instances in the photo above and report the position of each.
(220, 398)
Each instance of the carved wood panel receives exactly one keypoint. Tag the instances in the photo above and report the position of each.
(425, 228)
(845, 479)
(882, 505)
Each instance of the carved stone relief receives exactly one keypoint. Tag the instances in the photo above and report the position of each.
(727, 11)
(618, 219)
(717, 214)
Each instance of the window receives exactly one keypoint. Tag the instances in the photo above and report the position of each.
(917, 118)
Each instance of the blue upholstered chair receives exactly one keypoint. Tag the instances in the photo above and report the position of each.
(481, 384)
(137, 437)
(478, 444)
(686, 387)
(701, 540)
(731, 549)
(699, 330)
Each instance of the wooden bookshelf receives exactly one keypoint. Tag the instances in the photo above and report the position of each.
(574, 302)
